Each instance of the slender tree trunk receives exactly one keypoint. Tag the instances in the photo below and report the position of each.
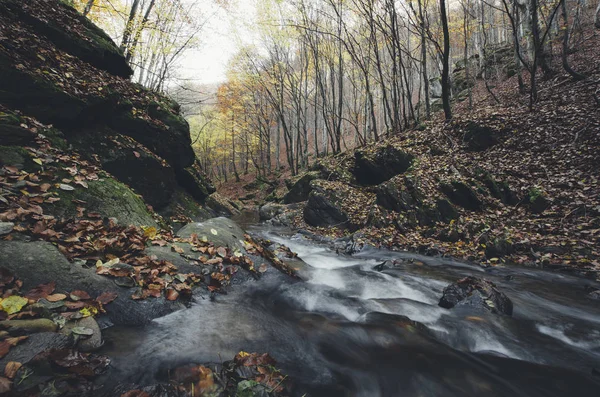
(129, 25)
(88, 7)
(138, 33)
(424, 60)
(445, 63)
(565, 49)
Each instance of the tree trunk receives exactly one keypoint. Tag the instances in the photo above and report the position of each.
(565, 49)
(129, 25)
(138, 33)
(88, 7)
(445, 62)
(597, 17)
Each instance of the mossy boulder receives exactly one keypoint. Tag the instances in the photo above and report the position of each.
(11, 133)
(500, 190)
(220, 231)
(106, 196)
(374, 166)
(34, 262)
(221, 205)
(538, 201)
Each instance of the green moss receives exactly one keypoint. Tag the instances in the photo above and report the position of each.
(9, 118)
(56, 138)
(19, 157)
(534, 193)
(109, 198)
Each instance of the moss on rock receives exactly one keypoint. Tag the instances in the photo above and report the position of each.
(109, 198)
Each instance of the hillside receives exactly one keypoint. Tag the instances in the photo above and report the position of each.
(497, 185)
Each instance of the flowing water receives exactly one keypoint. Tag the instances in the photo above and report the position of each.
(341, 332)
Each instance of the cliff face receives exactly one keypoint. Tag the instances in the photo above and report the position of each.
(63, 70)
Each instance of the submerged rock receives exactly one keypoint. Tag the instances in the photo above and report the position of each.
(477, 293)
(270, 211)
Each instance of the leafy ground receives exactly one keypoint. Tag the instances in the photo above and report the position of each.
(549, 154)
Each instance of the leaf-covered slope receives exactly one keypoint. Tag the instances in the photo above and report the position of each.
(497, 184)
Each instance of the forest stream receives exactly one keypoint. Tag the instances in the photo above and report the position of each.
(342, 330)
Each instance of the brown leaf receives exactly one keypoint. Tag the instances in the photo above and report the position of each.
(56, 297)
(106, 297)
(172, 295)
(11, 369)
(222, 252)
(262, 268)
(7, 343)
(41, 291)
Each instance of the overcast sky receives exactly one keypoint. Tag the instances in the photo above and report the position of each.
(222, 35)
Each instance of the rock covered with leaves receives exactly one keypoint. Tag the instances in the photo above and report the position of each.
(61, 69)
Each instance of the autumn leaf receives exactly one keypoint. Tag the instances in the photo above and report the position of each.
(11, 369)
(41, 291)
(107, 297)
(7, 343)
(13, 304)
(79, 295)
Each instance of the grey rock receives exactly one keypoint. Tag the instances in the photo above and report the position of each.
(220, 231)
(25, 351)
(270, 211)
(476, 293)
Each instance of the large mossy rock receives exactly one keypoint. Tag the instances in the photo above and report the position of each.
(106, 196)
(462, 195)
(167, 133)
(300, 188)
(478, 294)
(71, 32)
(374, 166)
(18, 157)
(35, 262)
(321, 210)
(270, 211)
(132, 164)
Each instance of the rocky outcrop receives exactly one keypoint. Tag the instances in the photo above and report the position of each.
(194, 180)
(61, 69)
(462, 195)
(321, 210)
(480, 137)
(300, 188)
(476, 293)
(372, 167)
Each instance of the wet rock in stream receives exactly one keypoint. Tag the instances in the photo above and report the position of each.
(477, 293)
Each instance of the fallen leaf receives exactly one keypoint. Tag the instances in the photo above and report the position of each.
(7, 343)
(172, 295)
(56, 297)
(79, 295)
(13, 304)
(11, 369)
(41, 291)
(106, 297)
(5, 385)
(66, 187)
